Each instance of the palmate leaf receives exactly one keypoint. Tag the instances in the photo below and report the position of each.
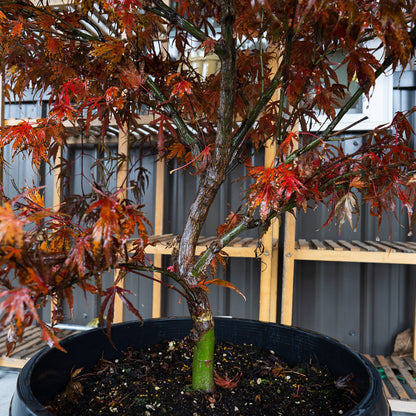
(11, 227)
(30, 138)
(274, 188)
(108, 304)
(80, 256)
(219, 282)
(346, 208)
(231, 221)
(107, 234)
(18, 310)
(165, 124)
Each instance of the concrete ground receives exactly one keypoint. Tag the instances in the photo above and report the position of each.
(8, 378)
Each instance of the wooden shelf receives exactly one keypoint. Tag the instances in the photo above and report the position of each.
(355, 251)
(31, 344)
(385, 252)
(240, 247)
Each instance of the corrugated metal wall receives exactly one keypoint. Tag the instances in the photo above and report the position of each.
(360, 304)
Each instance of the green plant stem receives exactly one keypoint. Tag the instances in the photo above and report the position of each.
(248, 123)
(205, 258)
(183, 130)
(329, 130)
(163, 10)
(203, 363)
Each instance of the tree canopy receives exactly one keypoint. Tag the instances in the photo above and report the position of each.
(102, 61)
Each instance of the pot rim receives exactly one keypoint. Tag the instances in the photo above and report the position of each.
(23, 389)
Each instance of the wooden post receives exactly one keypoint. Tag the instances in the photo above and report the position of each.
(268, 276)
(57, 184)
(274, 271)
(56, 201)
(158, 226)
(288, 269)
(269, 266)
(122, 173)
(288, 262)
(157, 258)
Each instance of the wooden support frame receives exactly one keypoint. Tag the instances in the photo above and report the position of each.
(288, 269)
(122, 182)
(385, 252)
(157, 257)
(268, 275)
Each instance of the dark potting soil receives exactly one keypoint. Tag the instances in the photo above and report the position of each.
(250, 381)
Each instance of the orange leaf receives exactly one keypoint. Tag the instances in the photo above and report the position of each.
(220, 282)
(181, 88)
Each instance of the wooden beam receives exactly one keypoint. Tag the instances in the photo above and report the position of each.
(355, 256)
(268, 274)
(122, 178)
(232, 251)
(12, 362)
(158, 228)
(159, 214)
(57, 183)
(266, 278)
(288, 270)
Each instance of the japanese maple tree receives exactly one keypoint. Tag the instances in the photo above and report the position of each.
(101, 60)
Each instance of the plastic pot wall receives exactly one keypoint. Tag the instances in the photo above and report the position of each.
(48, 372)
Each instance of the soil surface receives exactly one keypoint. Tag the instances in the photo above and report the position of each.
(250, 381)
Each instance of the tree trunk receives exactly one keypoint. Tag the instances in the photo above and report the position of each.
(204, 338)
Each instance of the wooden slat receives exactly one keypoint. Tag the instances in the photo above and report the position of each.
(411, 363)
(348, 245)
(401, 392)
(158, 239)
(381, 246)
(31, 344)
(319, 245)
(29, 334)
(366, 247)
(410, 245)
(237, 242)
(398, 247)
(29, 349)
(404, 372)
(206, 241)
(334, 245)
(303, 244)
(27, 343)
(242, 242)
(162, 245)
(29, 331)
(385, 389)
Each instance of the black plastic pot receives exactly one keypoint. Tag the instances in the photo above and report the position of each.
(48, 372)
